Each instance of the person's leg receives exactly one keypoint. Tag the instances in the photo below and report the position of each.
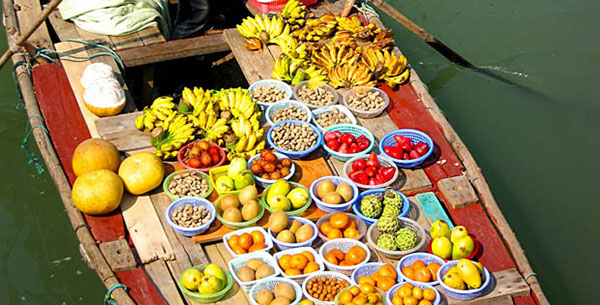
(192, 18)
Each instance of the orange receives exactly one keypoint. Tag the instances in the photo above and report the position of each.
(346, 297)
(433, 268)
(338, 254)
(308, 255)
(346, 263)
(407, 284)
(351, 224)
(330, 257)
(373, 297)
(356, 255)
(366, 280)
(325, 228)
(397, 301)
(299, 261)
(360, 300)
(306, 302)
(408, 272)
(339, 220)
(293, 272)
(285, 261)
(422, 274)
(388, 271)
(311, 267)
(355, 290)
(410, 301)
(245, 241)
(351, 233)
(424, 302)
(385, 283)
(417, 264)
(257, 237)
(418, 293)
(334, 234)
(367, 288)
(428, 294)
(257, 246)
(238, 250)
(376, 276)
(233, 241)
(405, 292)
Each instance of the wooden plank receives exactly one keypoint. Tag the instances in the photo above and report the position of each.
(174, 49)
(458, 191)
(151, 35)
(165, 282)
(254, 65)
(118, 255)
(235, 296)
(432, 208)
(28, 12)
(145, 229)
(505, 284)
(525, 300)
(121, 132)
(95, 38)
(118, 123)
(418, 215)
(502, 300)
(64, 29)
(140, 287)
(126, 41)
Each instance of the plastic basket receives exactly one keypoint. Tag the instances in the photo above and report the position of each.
(239, 262)
(343, 244)
(361, 226)
(183, 151)
(463, 295)
(268, 82)
(471, 256)
(325, 86)
(270, 284)
(194, 201)
(364, 270)
(340, 109)
(298, 278)
(383, 162)
(362, 113)
(373, 233)
(415, 136)
(206, 298)
(237, 225)
(267, 182)
(215, 173)
(272, 109)
(377, 290)
(268, 241)
(275, 5)
(284, 246)
(183, 171)
(370, 221)
(392, 292)
(327, 275)
(411, 258)
(332, 208)
(354, 130)
(298, 211)
(295, 154)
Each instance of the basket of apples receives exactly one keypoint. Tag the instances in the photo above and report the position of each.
(371, 172)
(408, 148)
(201, 155)
(346, 141)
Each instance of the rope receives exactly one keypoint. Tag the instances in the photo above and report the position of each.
(532, 274)
(33, 160)
(20, 101)
(108, 299)
(365, 9)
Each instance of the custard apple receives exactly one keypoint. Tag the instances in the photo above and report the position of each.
(391, 209)
(371, 206)
(392, 198)
(406, 239)
(388, 224)
(386, 241)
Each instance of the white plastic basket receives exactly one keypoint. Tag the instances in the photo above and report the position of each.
(343, 244)
(326, 109)
(312, 106)
(284, 246)
(269, 284)
(237, 263)
(298, 278)
(411, 258)
(272, 109)
(373, 233)
(328, 275)
(268, 82)
(361, 226)
(383, 162)
(362, 113)
(268, 241)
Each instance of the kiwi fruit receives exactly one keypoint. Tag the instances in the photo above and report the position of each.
(345, 191)
(280, 301)
(295, 226)
(254, 263)
(324, 187)
(248, 193)
(245, 274)
(286, 236)
(250, 210)
(304, 233)
(332, 198)
(229, 201)
(263, 271)
(284, 290)
(278, 221)
(232, 215)
(264, 297)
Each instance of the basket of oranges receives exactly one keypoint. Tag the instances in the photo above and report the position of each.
(381, 275)
(419, 268)
(297, 263)
(365, 294)
(341, 225)
(407, 293)
(343, 255)
(248, 240)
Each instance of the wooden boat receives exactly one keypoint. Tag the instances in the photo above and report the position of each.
(135, 247)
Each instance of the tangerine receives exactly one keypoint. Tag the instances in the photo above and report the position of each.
(245, 241)
(433, 268)
(285, 261)
(238, 250)
(360, 300)
(257, 237)
(351, 233)
(385, 283)
(428, 294)
(366, 280)
(405, 292)
(356, 255)
(346, 263)
(339, 220)
(311, 267)
(411, 301)
(396, 300)
(422, 274)
(338, 254)
(355, 290)
(367, 288)
(331, 258)
(388, 271)
(417, 264)
(346, 297)
(257, 246)
(424, 302)
(293, 272)
(417, 292)
(233, 241)
(325, 228)
(409, 272)
(306, 302)
(299, 261)
(352, 224)
(308, 255)
(407, 284)
(334, 234)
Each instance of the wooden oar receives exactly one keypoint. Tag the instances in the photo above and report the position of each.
(45, 13)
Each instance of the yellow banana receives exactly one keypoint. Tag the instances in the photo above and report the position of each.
(241, 144)
(251, 142)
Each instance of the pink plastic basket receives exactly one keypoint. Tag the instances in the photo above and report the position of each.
(275, 6)
(183, 151)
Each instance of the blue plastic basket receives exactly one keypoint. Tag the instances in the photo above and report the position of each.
(354, 130)
(284, 246)
(370, 221)
(411, 258)
(194, 201)
(295, 154)
(463, 295)
(268, 82)
(415, 136)
(392, 292)
(272, 109)
(264, 183)
(366, 270)
(332, 208)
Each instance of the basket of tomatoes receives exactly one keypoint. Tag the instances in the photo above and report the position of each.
(201, 155)
(268, 166)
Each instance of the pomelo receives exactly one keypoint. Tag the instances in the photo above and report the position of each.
(97, 192)
(141, 173)
(93, 154)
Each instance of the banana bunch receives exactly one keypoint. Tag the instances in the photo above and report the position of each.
(351, 24)
(385, 66)
(349, 76)
(316, 29)
(238, 101)
(289, 69)
(161, 109)
(293, 14)
(249, 133)
(215, 129)
(169, 137)
(334, 54)
(263, 28)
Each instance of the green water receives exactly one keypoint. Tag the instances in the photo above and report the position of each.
(540, 156)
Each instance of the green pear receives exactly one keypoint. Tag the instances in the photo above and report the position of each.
(209, 284)
(442, 247)
(298, 197)
(280, 187)
(457, 233)
(213, 269)
(280, 203)
(463, 247)
(440, 228)
(191, 278)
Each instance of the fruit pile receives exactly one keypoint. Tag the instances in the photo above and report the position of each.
(298, 264)
(369, 172)
(408, 294)
(465, 275)
(254, 269)
(237, 177)
(212, 279)
(455, 244)
(247, 242)
(340, 225)
(354, 256)
(361, 294)
(201, 155)
(242, 207)
(324, 289)
(282, 294)
(330, 194)
(345, 143)
(405, 149)
(288, 231)
(375, 206)
(269, 167)
(384, 278)
(283, 196)
(421, 272)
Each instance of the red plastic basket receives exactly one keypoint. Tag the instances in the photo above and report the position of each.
(277, 5)
(184, 149)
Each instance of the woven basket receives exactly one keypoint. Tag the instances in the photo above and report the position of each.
(284, 246)
(237, 225)
(270, 284)
(361, 226)
(463, 295)
(272, 109)
(206, 298)
(370, 221)
(362, 113)
(216, 172)
(325, 86)
(298, 278)
(354, 130)
(383, 162)
(327, 275)
(411, 258)
(268, 82)
(332, 208)
(340, 109)
(295, 212)
(343, 244)
(366, 270)
(183, 171)
(295, 154)
(194, 201)
(373, 233)
(392, 292)
(239, 262)
(268, 241)
(183, 152)
(264, 183)
(415, 136)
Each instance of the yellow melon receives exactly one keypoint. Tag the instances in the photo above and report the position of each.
(93, 154)
(141, 173)
(97, 192)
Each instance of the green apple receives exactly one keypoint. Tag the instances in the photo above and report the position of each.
(209, 284)
(213, 269)
(191, 279)
(280, 203)
(298, 197)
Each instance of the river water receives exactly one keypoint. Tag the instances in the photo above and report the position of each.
(540, 155)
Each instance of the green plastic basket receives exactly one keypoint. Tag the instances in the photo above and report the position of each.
(237, 225)
(173, 174)
(206, 298)
(217, 172)
(354, 130)
(295, 212)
